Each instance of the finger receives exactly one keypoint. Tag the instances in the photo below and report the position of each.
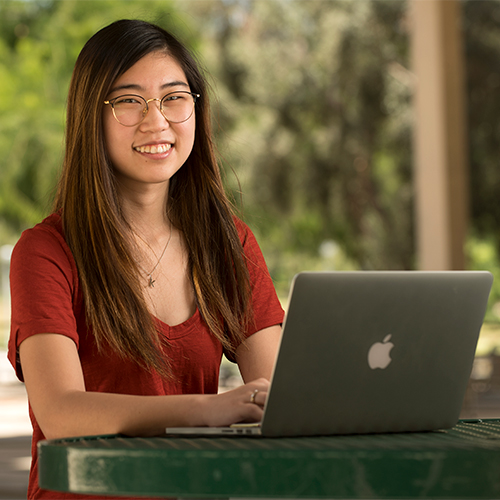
(258, 397)
(252, 413)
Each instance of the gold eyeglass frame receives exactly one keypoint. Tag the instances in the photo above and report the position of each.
(145, 110)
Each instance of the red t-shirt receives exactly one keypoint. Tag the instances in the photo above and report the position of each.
(46, 298)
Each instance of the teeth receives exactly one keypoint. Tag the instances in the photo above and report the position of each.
(160, 148)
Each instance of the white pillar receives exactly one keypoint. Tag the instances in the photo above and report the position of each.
(440, 147)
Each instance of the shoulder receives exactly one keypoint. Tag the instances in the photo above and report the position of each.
(244, 232)
(47, 235)
(253, 254)
(45, 243)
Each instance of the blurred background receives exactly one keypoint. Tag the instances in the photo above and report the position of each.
(321, 122)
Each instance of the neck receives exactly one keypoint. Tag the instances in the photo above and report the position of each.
(146, 210)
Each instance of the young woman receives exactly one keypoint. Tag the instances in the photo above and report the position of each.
(126, 297)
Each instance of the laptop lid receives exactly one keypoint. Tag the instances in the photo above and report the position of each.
(365, 352)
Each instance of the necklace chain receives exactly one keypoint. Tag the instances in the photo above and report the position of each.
(151, 281)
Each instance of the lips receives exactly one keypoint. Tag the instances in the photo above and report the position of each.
(153, 148)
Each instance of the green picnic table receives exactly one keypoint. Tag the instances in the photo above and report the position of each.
(462, 462)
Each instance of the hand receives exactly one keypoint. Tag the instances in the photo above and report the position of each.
(237, 405)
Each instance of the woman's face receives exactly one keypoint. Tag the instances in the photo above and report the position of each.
(155, 149)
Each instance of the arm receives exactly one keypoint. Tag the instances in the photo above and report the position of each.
(62, 407)
(256, 356)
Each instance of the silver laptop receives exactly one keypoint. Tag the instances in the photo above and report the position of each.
(371, 352)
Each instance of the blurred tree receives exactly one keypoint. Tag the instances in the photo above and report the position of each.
(39, 43)
(315, 109)
(313, 113)
(481, 22)
(482, 37)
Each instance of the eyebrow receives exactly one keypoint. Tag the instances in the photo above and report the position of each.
(133, 86)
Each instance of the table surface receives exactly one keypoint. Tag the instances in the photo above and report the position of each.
(463, 462)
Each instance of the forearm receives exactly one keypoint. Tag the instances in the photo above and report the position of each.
(257, 355)
(56, 389)
(90, 413)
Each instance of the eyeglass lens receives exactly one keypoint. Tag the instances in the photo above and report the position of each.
(176, 107)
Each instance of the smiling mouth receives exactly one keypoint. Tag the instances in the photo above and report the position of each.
(155, 149)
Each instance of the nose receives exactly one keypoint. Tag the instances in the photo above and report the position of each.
(154, 119)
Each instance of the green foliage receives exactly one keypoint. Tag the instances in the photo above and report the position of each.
(39, 43)
(482, 37)
(314, 108)
(483, 255)
(312, 111)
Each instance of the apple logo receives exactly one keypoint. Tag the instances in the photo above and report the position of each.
(379, 354)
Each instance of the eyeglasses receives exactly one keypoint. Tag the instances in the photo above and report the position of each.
(131, 109)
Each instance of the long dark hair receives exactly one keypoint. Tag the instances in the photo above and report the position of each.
(97, 232)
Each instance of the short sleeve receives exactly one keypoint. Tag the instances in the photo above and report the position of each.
(267, 309)
(44, 288)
